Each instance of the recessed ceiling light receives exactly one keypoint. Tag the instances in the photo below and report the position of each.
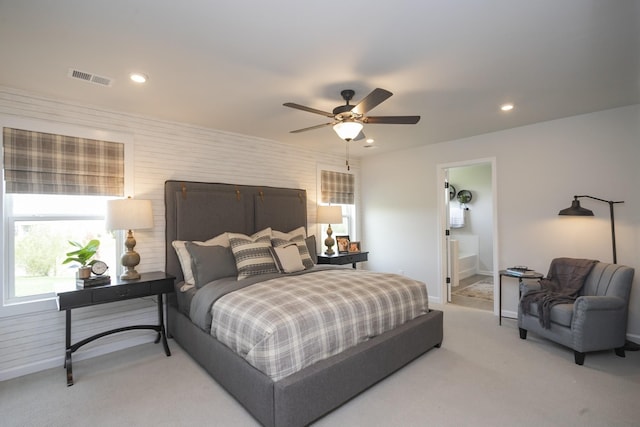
(506, 107)
(138, 77)
(370, 140)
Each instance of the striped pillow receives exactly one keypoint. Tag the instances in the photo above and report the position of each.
(252, 253)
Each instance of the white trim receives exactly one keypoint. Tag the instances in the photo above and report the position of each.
(442, 223)
(355, 217)
(46, 126)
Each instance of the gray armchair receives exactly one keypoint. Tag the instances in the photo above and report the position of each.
(597, 320)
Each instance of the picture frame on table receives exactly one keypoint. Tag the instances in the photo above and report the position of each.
(354, 247)
(343, 244)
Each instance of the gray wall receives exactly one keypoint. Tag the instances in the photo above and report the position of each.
(538, 170)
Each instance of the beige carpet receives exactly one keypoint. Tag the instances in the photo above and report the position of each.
(482, 289)
(483, 375)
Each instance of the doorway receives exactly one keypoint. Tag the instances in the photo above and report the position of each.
(469, 231)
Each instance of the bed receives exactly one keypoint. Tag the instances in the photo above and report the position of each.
(197, 211)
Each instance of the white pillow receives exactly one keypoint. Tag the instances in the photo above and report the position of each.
(297, 236)
(185, 257)
(300, 231)
(287, 258)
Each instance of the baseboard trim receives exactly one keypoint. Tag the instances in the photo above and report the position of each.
(82, 354)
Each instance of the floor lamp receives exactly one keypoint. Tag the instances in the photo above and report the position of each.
(577, 210)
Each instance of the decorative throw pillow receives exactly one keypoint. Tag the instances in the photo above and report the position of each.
(311, 247)
(209, 263)
(300, 231)
(252, 253)
(298, 237)
(185, 258)
(287, 258)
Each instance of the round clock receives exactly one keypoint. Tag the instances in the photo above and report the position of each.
(452, 192)
(99, 268)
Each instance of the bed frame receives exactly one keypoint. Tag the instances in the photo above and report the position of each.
(199, 211)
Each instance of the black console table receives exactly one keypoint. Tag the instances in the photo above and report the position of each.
(155, 283)
(341, 259)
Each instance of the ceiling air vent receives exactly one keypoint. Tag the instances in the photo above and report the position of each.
(90, 77)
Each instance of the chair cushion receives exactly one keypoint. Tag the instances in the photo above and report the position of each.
(561, 314)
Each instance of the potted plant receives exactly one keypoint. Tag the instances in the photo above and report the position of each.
(82, 255)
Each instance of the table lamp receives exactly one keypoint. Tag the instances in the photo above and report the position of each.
(329, 215)
(129, 214)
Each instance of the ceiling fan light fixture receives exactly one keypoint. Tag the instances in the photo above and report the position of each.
(348, 130)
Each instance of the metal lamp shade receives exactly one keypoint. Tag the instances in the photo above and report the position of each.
(576, 210)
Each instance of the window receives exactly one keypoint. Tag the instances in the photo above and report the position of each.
(338, 188)
(55, 191)
(39, 230)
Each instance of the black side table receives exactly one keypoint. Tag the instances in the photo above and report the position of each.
(528, 275)
(341, 259)
(155, 283)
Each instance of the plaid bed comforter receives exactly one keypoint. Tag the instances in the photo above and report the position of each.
(283, 325)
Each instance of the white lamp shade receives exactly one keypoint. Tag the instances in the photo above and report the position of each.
(330, 214)
(348, 130)
(129, 214)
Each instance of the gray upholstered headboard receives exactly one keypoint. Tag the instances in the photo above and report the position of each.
(200, 211)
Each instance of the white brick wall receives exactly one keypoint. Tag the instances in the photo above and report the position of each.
(162, 150)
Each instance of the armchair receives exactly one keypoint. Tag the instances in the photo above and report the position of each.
(596, 320)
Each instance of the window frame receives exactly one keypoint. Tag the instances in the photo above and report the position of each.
(18, 306)
(348, 211)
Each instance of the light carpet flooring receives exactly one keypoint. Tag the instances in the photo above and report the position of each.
(483, 375)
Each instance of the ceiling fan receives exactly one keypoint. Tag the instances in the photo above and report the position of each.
(348, 120)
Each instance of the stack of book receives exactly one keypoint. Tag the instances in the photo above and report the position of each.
(93, 281)
(521, 271)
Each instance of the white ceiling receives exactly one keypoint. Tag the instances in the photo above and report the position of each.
(231, 64)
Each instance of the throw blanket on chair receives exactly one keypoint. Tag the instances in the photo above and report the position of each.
(561, 286)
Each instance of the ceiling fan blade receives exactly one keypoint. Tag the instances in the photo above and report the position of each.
(308, 109)
(393, 120)
(371, 101)
(311, 128)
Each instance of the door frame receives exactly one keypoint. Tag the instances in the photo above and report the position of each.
(443, 225)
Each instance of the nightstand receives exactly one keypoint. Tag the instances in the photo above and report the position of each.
(156, 283)
(341, 259)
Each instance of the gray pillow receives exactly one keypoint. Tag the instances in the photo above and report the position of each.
(311, 247)
(210, 263)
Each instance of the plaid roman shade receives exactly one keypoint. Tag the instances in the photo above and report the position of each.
(337, 187)
(44, 163)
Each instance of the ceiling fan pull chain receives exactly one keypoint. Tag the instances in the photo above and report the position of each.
(347, 161)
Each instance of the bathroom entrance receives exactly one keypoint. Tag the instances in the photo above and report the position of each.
(469, 228)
